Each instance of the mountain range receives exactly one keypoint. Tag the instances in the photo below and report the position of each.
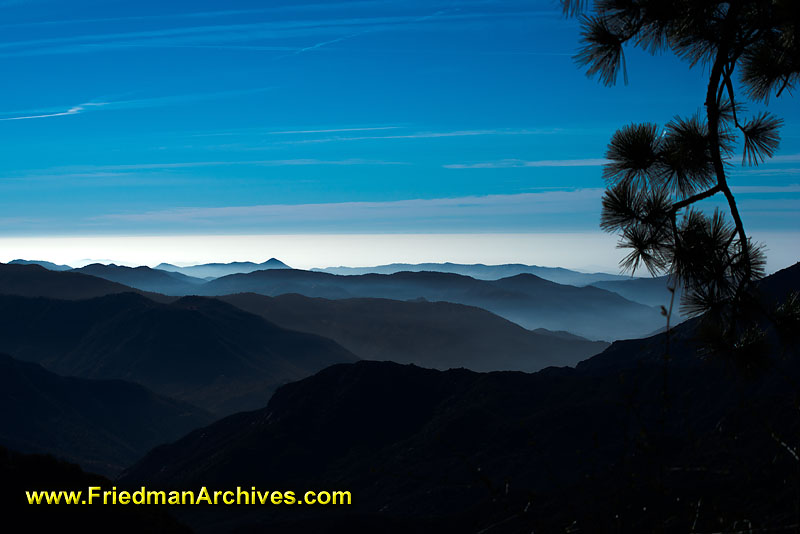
(647, 436)
(168, 279)
(525, 299)
(432, 334)
(650, 429)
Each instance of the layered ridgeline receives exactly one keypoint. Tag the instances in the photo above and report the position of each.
(650, 291)
(528, 300)
(198, 350)
(438, 335)
(215, 270)
(523, 298)
(628, 441)
(430, 334)
(483, 272)
(104, 425)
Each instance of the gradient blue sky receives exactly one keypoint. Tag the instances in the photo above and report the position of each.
(309, 117)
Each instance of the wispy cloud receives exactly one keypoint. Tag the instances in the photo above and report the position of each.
(518, 163)
(74, 110)
(126, 104)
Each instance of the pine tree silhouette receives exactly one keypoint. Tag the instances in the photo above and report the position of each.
(656, 175)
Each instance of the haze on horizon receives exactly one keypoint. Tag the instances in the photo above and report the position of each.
(334, 133)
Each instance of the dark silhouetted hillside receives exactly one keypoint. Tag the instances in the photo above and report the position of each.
(195, 349)
(438, 335)
(525, 299)
(103, 425)
(145, 278)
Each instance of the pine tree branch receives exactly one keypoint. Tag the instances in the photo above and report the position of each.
(713, 113)
(695, 198)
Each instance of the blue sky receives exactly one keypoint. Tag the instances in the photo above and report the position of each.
(310, 117)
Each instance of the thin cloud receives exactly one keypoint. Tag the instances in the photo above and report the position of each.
(127, 104)
(518, 163)
(75, 110)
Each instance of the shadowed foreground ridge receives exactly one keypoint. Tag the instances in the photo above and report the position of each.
(621, 443)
